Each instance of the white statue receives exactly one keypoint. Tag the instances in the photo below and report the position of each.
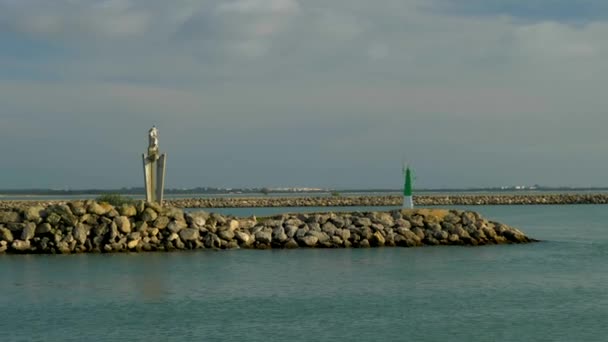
(153, 143)
(153, 135)
(154, 168)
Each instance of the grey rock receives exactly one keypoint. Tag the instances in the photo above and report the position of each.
(123, 224)
(338, 221)
(362, 222)
(403, 223)
(113, 213)
(133, 244)
(53, 219)
(176, 226)
(336, 241)
(243, 238)
(226, 234)
(29, 231)
(189, 234)
(34, 213)
(378, 240)
(140, 226)
(263, 236)
(385, 219)
(309, 240)
(291, 230)
(419, 232)
(90, 219)
(329, 228)
(127, 210)
(99, 209)
(314, 226)
(43, 228)
(80, 233)
(291, 244)
(344, 234)
(321, 236)
(9, 217)
(6, 235)
(212, 241)
(149, 215)
(162, 222)
(197, 219)
(175, 214)
(233, 225)
(64, 212)
(364, 244)
(365, 233)
(20, 246)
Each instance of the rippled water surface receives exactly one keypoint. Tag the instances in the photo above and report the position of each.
(551, 291)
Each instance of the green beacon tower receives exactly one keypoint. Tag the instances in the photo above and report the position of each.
(408, 202)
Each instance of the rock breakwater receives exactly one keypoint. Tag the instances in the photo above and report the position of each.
(89, 226)
(356, 201)
(425, 200)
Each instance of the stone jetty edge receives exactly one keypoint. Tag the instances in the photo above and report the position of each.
(349, 201)
(92, 227)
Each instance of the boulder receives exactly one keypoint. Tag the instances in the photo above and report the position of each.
(161, 222)
(189, 234)
(197, 219)
(64, 212)
(233, 225)
(291, 244)
(28, 231)
(149, 215)
(6, 235)
(263, 236)
(34, 213)
(403, 223)
(133, 243)
(99, 209)
(43, 228)
(278, 235)
(378, 240)
(53, 219)
(9, 217)
(123, 224)
(174, 213)
(176, 226)
(226, 234)
(309, 240)
(321, 236)
(20, 245)
(127, 210)
(212, 241)
(362, 222)
(291, 230)
(364, 243)
(80, 233)
(78, 208)
(243, 238)
(336, 241)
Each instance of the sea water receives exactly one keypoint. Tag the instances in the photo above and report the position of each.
(555, 290)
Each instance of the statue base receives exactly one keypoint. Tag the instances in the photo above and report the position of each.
(154, 174)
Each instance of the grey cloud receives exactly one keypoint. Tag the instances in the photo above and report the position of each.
(266, 92)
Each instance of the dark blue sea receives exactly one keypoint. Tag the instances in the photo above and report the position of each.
(555, 290)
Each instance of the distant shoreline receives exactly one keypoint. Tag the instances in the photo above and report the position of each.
(357, 201)
(194, 192)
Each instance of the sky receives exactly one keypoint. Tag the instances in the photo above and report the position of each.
(304, 93)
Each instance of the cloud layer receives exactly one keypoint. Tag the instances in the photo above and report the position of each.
(311, 93)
